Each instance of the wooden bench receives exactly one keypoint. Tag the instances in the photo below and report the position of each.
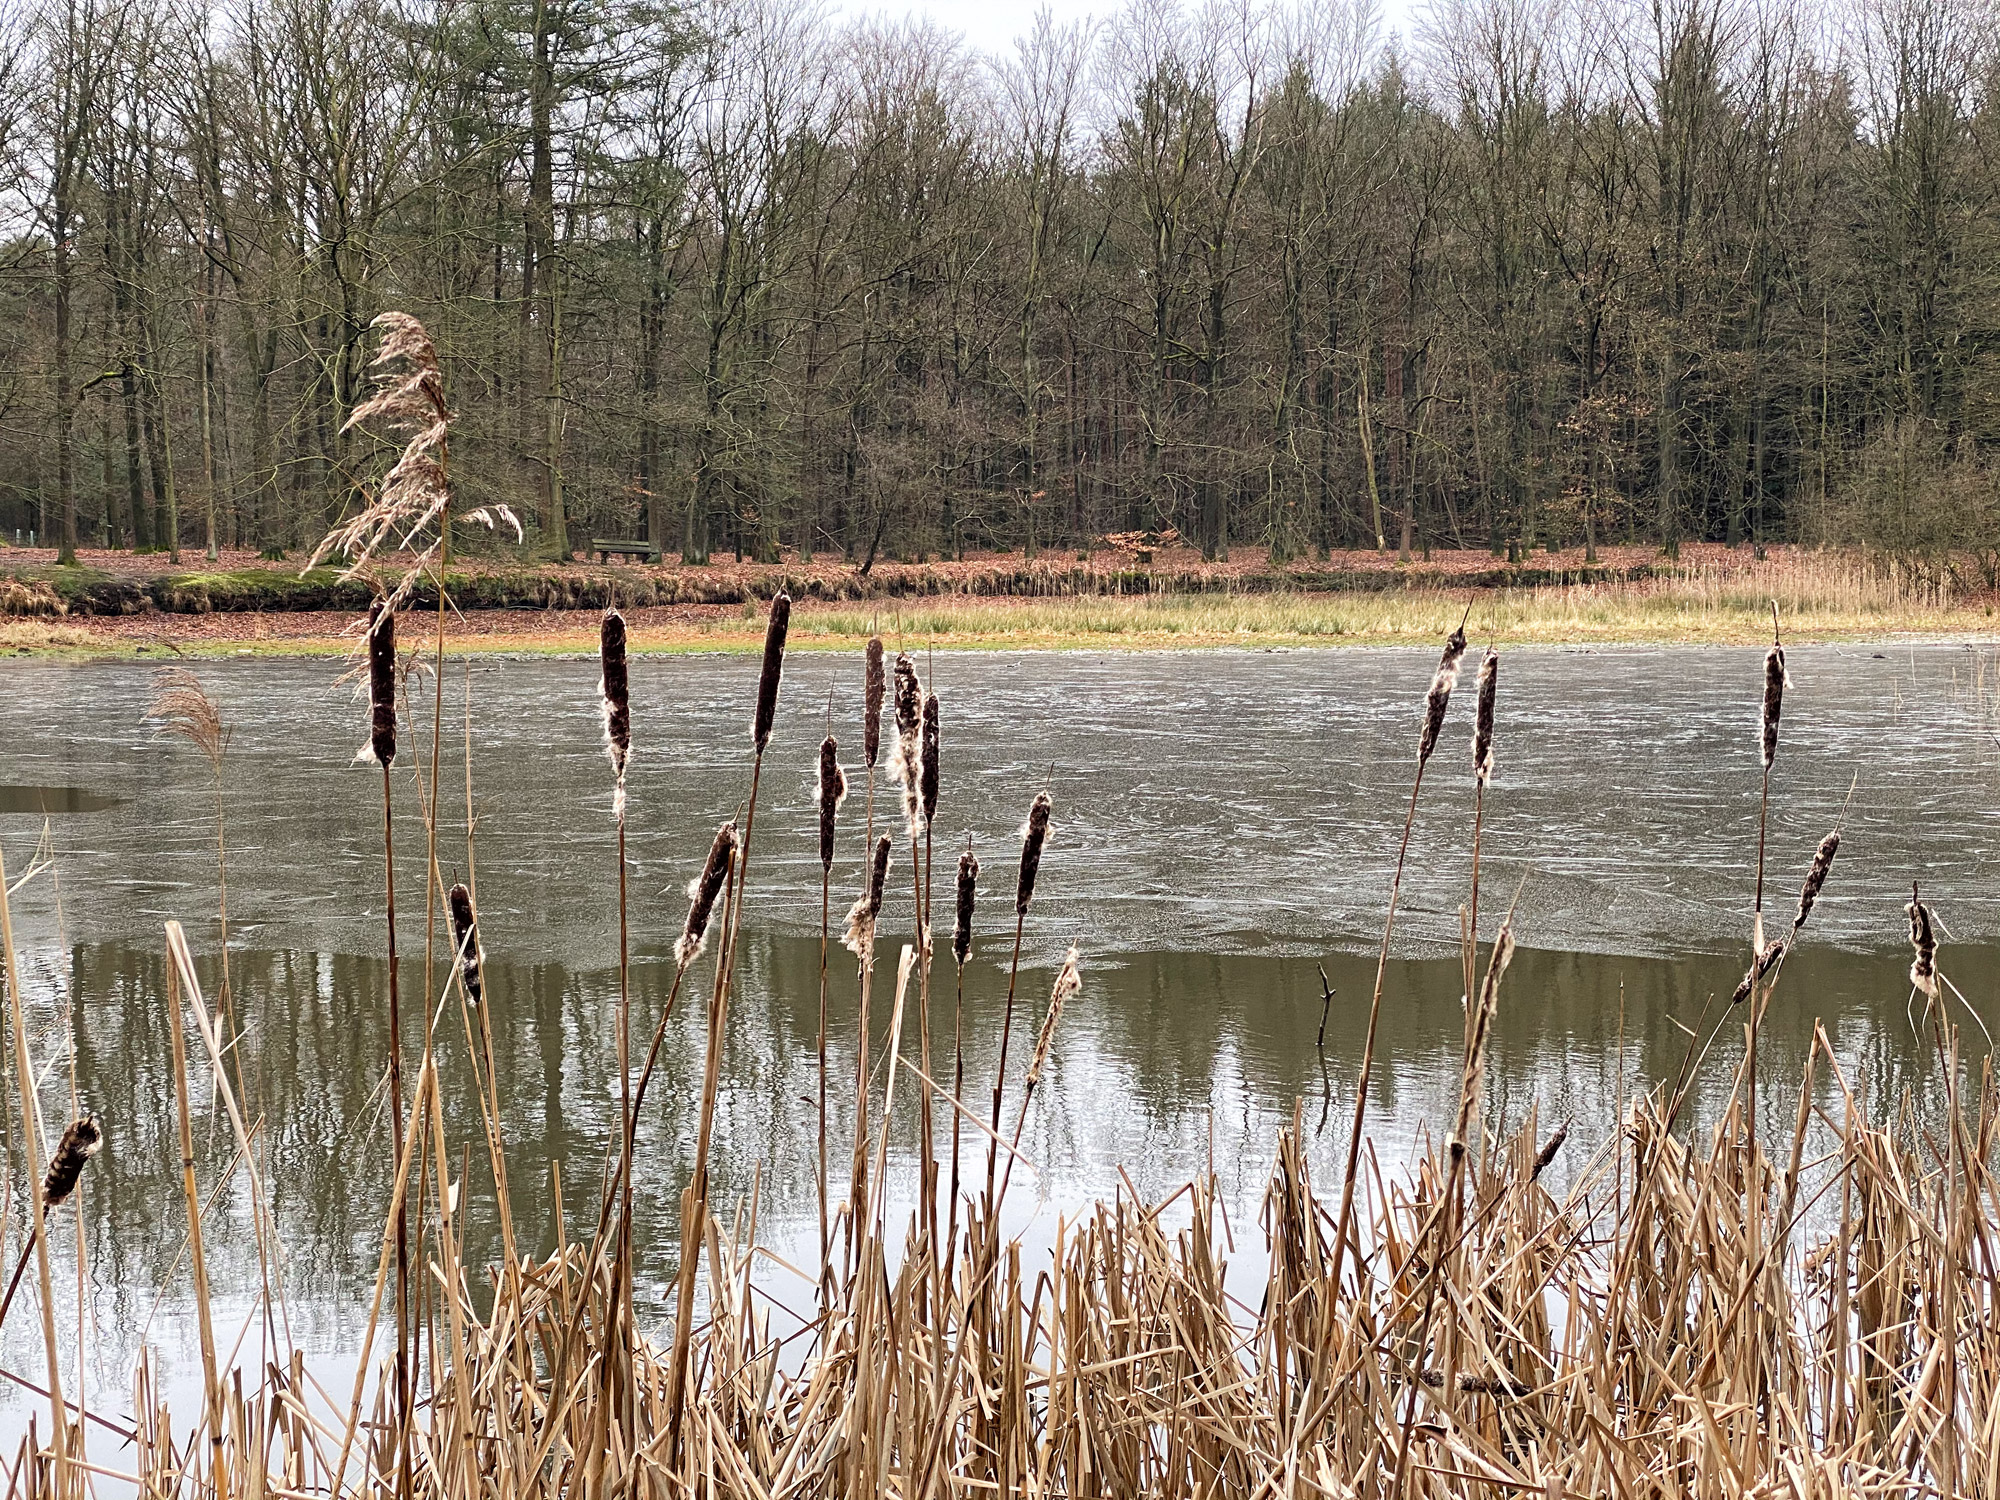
(605, 548)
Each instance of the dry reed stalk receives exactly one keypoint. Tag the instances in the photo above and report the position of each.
(1436, 701)
(961, 950)
(859, 940)
(694, 1216)
(1034, 839)
(183, 709)
(830, 790)
(1069, 983)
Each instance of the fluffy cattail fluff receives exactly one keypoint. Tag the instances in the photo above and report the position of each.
(1774, 700)
(1816, 877)
(860, 935)
(1439, 697)
(874, 684)
(1923, 968)
(832, 791)
(968, 882)
(1548, 1152)
(1033, 836)
(907, 768)
(702, 891)
(465, 942)
(381, 746)
(775, 631)
(616, 689)
(1068, 982)
(927, 779)
(78, 1144)
(1759, 967)
(1482, 718)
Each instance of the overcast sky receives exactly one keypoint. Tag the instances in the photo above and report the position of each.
(990, 26)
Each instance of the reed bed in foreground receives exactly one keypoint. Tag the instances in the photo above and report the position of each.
(1697, 1313)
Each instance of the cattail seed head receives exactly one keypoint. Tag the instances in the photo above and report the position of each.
(859, 938)
(906, 770)
(1068, 982)
(1760, 966)
(927, 779)
(1033, 837)
(1816, 877)
(1774, 701)
(381, 746)
(832, 791)
(78, 1144)
(702, 892)
(874, 685)
(1549, 1149)
(1439, 696)
(465, 941)
(615, 687)
(775, 630)
(1482, 718)
(968, 881)
(1923, 939)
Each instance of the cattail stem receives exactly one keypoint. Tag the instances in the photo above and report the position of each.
(403, 1375)
(825, 923)
(1000, 1072)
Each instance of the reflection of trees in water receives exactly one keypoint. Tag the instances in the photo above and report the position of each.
(1166, 1062)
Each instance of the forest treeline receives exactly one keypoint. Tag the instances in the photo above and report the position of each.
(735, 274)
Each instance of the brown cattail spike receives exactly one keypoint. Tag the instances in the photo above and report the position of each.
(968, 882)
(1548, 1152)
(1033, 837)
(465, 942)
(907, 769)
(1923, 939)
(1439, 697)
(1816, 877)
(78, 1144)
(1760, 966)
(831, 792)
(381, 746)
(1482, 718)
(616, 689)
(927, 780)
(702, 893)
(874, 685)
(859, 938)
(1774, 701)
(775, 630)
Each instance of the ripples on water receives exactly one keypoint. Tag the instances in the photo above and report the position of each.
(1225, 824)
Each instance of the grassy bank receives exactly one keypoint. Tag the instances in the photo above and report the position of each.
(1823, 597)
(1660, 1325)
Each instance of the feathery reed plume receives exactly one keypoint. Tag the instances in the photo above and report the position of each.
(1439, 696)
(1482, 719)
(830, 792)
(615, 686)
(906, 770)
(1034, 835)
(776, 628)
(702, 891)
(927, 780)
(874, 687)
(1923, 939)
(1549, 1149)
(184, 710)
(78, 1144)
(968, 881)
(381, 746)
(1816, 877)
(465, 943)
(861, 917)
(1068, 982)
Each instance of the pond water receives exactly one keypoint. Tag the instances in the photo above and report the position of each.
(1225, 829)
